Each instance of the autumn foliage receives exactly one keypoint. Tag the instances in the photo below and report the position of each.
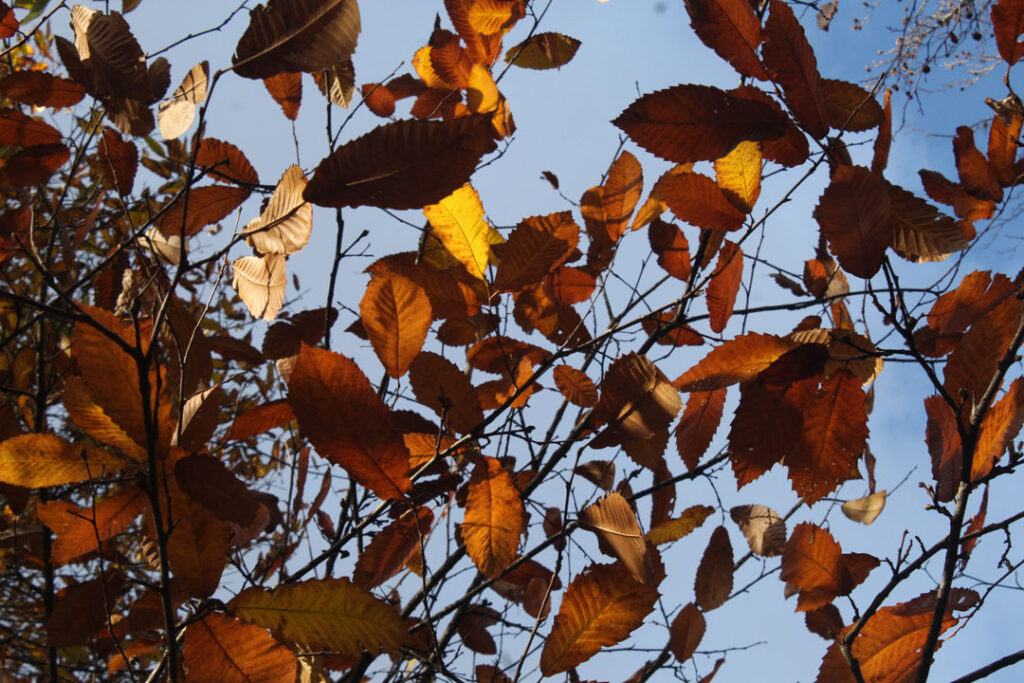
(488, 478)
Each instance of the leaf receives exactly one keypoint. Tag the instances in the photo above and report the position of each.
(111, 56)
(865, 510)
(197, 547)
(33, 165)
(714, 573)
(687, 123)
(601, 607)
(119, 160)
(826, 621)
(855, 215)
(260, 282)
(732, 30)
(920, 232)
(210, 483)
(226, 162)
(219, 648)
(41, 89)
(379, 99)
(834, 437)
(284, 226)
(494, 519)
(575, 386)
(537, 246)
(472, 628)
(600, 473)
(880, 157)
(850, 107)
(38, 460)
(286, 89)
(396, 314)
(791, 63)
(200, 207)
(620, 194)
(1002, 143)
(974, 361)
(1008, 22)
(654, 205)
(296, 35)
(324, 385)
(669, 243)
(999, 427)
(489, 17)
(944, 446)
(439, 385)
(337, 84)
(725, 285)
(330, 614)
(543, 51)
(619, 535)
(686, 632)
(402, 165)
(8, 23)
(81, 609)
(79, 531)
(739, 174)
(458, 220)
(763, 528)
(698, 425)
(392, 548)
(698, 200)
(175, 116)
(736, 360)
(816, 564)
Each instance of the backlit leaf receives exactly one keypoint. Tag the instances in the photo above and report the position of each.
(324, 385)
(396, 315)
(723, 288)
(543, 51)
(1000, 426)
(402, 165)
(285, 224)
(94, 421)
(175, 116)
(736, 360)
(731, 29)
(714, 573)
(197, 547)
(696, 122)
(41, 89)
(392, 548)
(458, 220)
(790, 61)
(575, 385)
(78, 531)
(920, 232)
(763, 528)
(37, 460)
(119, 160)
(209, 482)
(977, 175)
(33, 165)
(686, 632)
(849, 107)
(219, 648)
(442, 387)
(296, 35)
(537, 246)
(1008, 22)
(201, 207)
(619, 535)
(1002, 144)
(494, 518)
(260, 283)
(698, 200)
(286, 89)
(601, 607)
(865, 510)
(815, 563)
(739, 174)
(698, 424)
(226, 162)
(855, 215)
(331, 614)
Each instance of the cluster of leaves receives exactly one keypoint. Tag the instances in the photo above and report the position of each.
(142, 432)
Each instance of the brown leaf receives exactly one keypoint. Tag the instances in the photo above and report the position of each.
(225, 162)
(825, 621)
(816, 564)
(601, 607)
(714, 573)
(33, 165)
(200, 207)
(600, 473)
(697, 122)
(732, 30)
(499, 354)
(880, 157)
(119, 160)
(41, 89)
(791, 63)
(402, 165)
(175, 116)
(286, 89)
(977, 175)
(219, 648)
(669, 243)
(207, 481)
(81, 609)
(324, 385)
(698, 200)
(379, 99)
(439, 385)
(619, 535)
(855, 215)
(197, 548)
(8, 22)
(974, 361)
(1002, 143)
(472, 628)
(392, 548)
(999, 427)
(112, 60)
(1008, 22)
(920, 232)
(537, 246)
(260, 282)
(338, 83)
(763, 528)
(849, 107)
(575, 386)
(686, 632)
(698, 425)
(297, 35)
(725, 285)
(494, 519)
(79, 531)
(543, 51)
(736, 360)
(396, 315)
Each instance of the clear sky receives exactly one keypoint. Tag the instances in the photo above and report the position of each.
(563, 118)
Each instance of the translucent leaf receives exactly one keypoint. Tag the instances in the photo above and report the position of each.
(543, 51)
(219, 648)
(119, 160)
(285, 224)
(714, 573)
(79, 530)
(736, 360)
(286, 89)
(575, 385)
(175, 116)
(855, 215)
(865, 510)
(618, 532)
(816, 564)
(536, 247)
(686, 523)
(790, 61)
(763, 528)
(458, 220)
(41, 89)
(442, 387)
(725, 285)
(396, 315)
(226, 162)
(494, 518)
(850, 107)
(686, 632)
(260, 282)
(732, 30)
(392, 548)
(739, 174)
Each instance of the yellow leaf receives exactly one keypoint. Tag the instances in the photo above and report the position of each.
(37, 460)
(481, 93)
(674, 529)
(458, 220)
(328, 614)
(655, 204)
(488, 17)
(739, 174)
(494, 519)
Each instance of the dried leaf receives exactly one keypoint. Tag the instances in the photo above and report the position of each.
(396, 315)
(714, 573)
(732, 30)
(219, 648)
(575, 385)
(260, 282)
(619, 535)
(763, 528)
(725, 285)
(686, 632)
(284, 226)
(458, 220)
(865, 510)
(855, 215)
(790, 61)
(543, 51)
(494, 519)
(816, 564)
(392, 548)
(734, 361)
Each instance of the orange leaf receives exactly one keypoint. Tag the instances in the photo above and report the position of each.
(396, 315)
(619, 535)
(80, 530)
(731, 29)
(725, 285)
(441, 386)
(736, 360)
(686, 632)
(392, 548)
(944, 446)
(855, 215)
(835, 434)
(920, 232)
(697, 122)
(499, 355)
(698, 424)
(8, 22)
(37, 460)
(324, 385)
(402, 165)
(789, 149)
(286, 89)
(219, 648)
(999, 427)
(494, 518)
(226, 162)
(379, 99)
(33, 165)
(669, 243)
(17, 128)
(698, 200)
(601, 607)
(537, 246)
(791, 63)
(94, 421)
(205, 205)
(816, 564)
(1008, 22)
(575, 386)
(670, 332)
(197, 548)
(714, 573)
(119, 160)
(974, 361)
(621, 192)
(977, 175)
(261, 419)
(850, 107)
(1002, 144)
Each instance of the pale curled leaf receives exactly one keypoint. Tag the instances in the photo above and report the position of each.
(865, 510)
(175, 116)
(260, 282)
(619, 534)
(285, 225)
(764, 530)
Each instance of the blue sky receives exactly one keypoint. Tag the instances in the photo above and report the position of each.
(563, 117)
